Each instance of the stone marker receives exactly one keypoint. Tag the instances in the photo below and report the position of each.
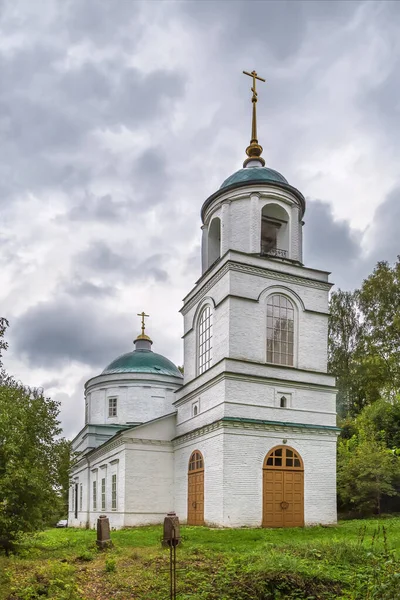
(103, 533)
(171, 536)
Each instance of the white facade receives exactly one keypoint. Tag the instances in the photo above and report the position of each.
(255, 360)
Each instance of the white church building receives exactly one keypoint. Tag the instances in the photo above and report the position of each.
(247, 436)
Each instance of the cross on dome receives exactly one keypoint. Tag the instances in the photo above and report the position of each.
(143, 336)
(254, 151)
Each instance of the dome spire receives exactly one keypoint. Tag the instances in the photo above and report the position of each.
(143, 342)
(254, 151)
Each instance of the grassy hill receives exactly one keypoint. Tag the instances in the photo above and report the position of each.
(355, 560)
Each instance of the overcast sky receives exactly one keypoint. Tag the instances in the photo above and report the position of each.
(119, 118)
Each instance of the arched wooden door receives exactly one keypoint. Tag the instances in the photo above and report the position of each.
(196, 489)
(283, 488)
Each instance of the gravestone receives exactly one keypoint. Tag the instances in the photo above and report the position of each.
(103, 533)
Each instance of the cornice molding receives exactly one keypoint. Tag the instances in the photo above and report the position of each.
(232, 265)
(257, 425)
(262, 379)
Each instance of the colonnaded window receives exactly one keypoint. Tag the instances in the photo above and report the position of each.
(103, 493)
(280, 330)
(205, 340)
(114, 492)
(112, 407)
(94, 495)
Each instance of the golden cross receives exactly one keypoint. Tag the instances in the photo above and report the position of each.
(254, 75)
(143, 315)
(254, 151)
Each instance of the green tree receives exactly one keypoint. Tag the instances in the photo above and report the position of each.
(367, 471)
(63, 465)
(3, 343)
(29, 459)
(379, 302)
(382, 419)
(344, 327)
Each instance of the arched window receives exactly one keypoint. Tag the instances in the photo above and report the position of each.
(280, 330)
(204, 340)
(283, 457)
(283, 402)
(196, 462)
(214, 241)
(274, 231)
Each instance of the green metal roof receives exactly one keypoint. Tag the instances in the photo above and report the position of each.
(253, 174)
(143, 361)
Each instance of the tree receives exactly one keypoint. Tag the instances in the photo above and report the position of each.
(29, 458)
(63, 451)
(344, 330)
(367, 471)
(3, 343)
(379, 302)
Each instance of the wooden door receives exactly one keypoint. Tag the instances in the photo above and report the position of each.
(283, 489)
(196, 489)
(293, 496)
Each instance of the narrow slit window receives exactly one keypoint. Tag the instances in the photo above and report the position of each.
(103, 494)
(283, 403)
(80, 496)
(114, 492)
(94, 495)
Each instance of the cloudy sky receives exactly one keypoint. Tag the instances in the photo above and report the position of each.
(118, 118)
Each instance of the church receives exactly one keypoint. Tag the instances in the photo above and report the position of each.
(247, 436)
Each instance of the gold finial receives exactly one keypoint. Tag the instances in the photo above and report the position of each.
(254, 151)
(143, 336)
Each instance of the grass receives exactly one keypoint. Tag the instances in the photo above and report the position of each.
(355, 560)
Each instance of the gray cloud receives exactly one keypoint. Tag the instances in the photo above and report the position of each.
(383, 233)
(96, 208)
(87, 289)
(279, 27)
(100, 258)
(331, 244)
(59, 331)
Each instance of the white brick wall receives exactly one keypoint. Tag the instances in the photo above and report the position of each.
(233, 461)
(140, 397)
(211, 447)
(143, 460)
(244, 453)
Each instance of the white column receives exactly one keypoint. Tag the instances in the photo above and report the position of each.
(255, 224)
(204, 248)
(225, 227)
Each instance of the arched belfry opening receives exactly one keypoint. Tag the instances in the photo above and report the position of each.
(214, 241)
(274, 231)
(283, 488)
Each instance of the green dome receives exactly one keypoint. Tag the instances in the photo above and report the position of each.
(143, 361)
(251, 174)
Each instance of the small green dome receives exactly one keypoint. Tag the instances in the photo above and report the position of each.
(143, 361)
(251, 174)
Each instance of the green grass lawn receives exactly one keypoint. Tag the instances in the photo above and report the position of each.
(355, 560)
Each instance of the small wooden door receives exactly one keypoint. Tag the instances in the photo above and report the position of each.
(196, 489)
(283, 489)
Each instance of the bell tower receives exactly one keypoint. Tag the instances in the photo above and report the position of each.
(255, 355)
